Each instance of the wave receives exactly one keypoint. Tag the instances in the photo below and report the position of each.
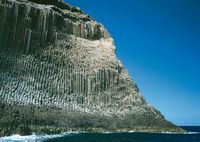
(186, 133)
(193, 132)
(41, 138)
(34, 138)
(168, 133)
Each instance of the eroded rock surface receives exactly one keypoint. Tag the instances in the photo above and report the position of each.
(59, 71)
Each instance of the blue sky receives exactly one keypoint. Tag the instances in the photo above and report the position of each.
(158, 41)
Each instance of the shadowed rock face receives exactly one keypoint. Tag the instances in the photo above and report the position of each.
(59, 72)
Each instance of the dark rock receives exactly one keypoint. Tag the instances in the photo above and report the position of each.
(59, 72)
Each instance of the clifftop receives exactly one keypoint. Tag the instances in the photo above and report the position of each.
(61, 16)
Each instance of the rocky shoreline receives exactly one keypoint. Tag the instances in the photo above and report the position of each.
(21, 120)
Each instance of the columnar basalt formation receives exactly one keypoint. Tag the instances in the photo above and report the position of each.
(59, 72)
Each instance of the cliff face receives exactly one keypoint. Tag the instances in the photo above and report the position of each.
(59, 71)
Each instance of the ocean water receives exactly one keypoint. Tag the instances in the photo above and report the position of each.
(193, 136)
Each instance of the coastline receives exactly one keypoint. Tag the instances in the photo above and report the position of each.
(62, 130)
(37, 137)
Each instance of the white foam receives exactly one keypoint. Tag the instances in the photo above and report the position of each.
(41, 138)
(33, 138)
(186, 133)
(169, 133)
(193, 132)
(131, 132)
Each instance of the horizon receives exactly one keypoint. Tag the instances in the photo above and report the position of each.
(158, 43)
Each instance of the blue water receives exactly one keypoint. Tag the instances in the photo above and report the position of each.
(191, 128)
(129, 137)
(133, 137)
(111, 137)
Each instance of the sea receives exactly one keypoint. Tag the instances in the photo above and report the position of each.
(192, 136)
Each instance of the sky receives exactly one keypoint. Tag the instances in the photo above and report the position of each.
(158, 41)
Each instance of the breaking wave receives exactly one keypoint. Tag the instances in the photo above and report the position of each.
(34, 138)
(42, 138)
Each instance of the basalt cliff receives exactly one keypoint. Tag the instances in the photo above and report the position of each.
(59, 72)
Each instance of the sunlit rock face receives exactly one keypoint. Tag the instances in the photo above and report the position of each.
(59, 71)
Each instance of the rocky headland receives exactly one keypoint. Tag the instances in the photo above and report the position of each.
(59, 72)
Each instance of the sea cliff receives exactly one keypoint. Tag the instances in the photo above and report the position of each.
(59, 72)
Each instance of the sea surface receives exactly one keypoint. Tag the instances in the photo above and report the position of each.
(193, 136)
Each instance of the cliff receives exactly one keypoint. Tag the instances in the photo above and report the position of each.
(59, 72)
